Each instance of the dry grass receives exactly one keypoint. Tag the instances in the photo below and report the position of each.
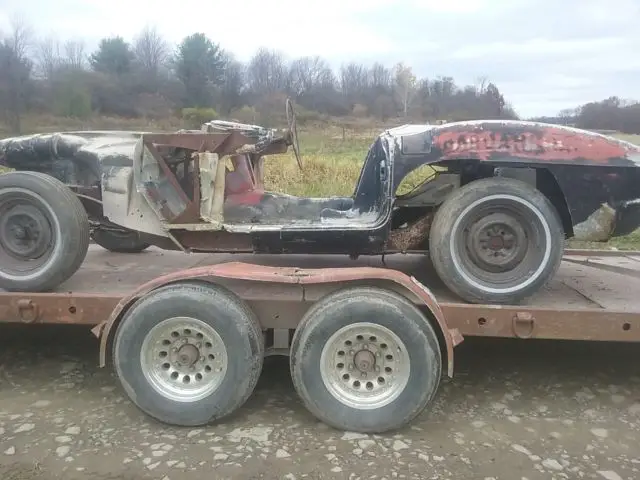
(629, 137)
(332, 165)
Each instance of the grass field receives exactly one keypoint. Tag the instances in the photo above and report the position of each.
(332, 161)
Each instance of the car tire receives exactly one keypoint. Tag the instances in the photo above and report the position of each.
(180, 326)
(121, 241)
(496, 240)
(374, 331)
(44, 232)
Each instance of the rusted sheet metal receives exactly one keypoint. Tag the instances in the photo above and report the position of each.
(70, 308)
(198, 142)
(224, 241)
(543, 323)
(285, 275)
(530, 141)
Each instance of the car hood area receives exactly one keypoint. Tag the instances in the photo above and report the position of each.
(514, 141)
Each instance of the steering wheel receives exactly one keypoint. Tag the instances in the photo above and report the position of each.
(293, 131)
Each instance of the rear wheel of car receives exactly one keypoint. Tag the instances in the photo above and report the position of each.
(119, 241)
(365, 360)
(44, 232)
(496, 240)
(189, 354)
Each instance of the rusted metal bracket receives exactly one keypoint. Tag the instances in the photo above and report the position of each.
(524, 325)
(28, 310)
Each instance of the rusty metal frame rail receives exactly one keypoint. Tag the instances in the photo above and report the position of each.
(517, 321)
(471, 320)
(62, 308)
(542, 323)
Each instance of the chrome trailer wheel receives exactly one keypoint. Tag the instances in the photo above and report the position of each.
(365, 360)
(189, 353)
(184, 359)
(365, 365)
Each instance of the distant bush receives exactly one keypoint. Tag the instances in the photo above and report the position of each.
(360, 110)
(71, 97)
(246, 114)
(195, 117)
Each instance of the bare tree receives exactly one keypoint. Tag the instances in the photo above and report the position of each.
(307, 74)
(481, 84)
(380, 77)
(74, 56)
(405, 85)
(151, 50)
(267, 72)
(48, 56)
(15, 72)
(21, 37)
(232, 84)
(354, 81)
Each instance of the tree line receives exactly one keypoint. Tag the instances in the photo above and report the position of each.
(147, 77)
(612, 113)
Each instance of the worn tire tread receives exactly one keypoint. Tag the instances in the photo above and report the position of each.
(71, 215)
(116, 245)
(451, 208)
(250, 326)
(314, 317)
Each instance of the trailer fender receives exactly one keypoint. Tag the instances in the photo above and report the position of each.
(289, 276)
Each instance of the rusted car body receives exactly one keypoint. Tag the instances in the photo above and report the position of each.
(592, 178)
(204, 190)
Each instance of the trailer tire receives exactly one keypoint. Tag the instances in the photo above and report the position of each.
(124, 241)
(178, 326)
(391, 340)
(43, 224)
(496, 240)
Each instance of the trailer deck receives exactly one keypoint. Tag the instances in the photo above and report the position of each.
(594, 296)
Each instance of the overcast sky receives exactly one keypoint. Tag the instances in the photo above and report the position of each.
(544, 55)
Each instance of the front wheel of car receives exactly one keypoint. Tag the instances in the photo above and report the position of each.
(120, 241)
(496, 240)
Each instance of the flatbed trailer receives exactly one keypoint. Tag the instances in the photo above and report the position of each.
(289, 305)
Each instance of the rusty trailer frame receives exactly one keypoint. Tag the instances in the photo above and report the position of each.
(593, 296)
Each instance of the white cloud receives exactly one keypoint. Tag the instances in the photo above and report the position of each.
(538, 46)
(461, 6)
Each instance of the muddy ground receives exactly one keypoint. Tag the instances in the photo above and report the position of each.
(515, 410)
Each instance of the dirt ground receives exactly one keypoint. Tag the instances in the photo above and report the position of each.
(515, 410)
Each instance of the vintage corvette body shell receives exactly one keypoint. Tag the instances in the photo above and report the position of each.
(592, 179)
